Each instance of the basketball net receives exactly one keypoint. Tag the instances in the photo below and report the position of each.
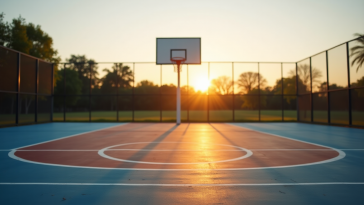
(177, 62)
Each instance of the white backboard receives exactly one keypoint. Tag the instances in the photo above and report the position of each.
(190, 48)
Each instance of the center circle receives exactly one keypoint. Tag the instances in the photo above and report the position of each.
(102, 153)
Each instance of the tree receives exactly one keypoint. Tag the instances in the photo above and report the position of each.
(251, 100)
(221, 85)
(72, 86)
(170, 89)
(120, 76)
(147, 102)
(357, 52)
(304, 76)
(146, 87)
(4, 31)
(250, 80)
(30, 39)
(85, 68)
(359, 82)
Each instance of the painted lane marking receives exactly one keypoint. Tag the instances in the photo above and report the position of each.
(161, 150)
(70, 136)
(102, 153)
(341, 155)
(184, 185)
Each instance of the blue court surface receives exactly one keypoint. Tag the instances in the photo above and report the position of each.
(289, 163)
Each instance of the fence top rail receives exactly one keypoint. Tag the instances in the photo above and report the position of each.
(10, 49)
(330, 48)
(186, 64)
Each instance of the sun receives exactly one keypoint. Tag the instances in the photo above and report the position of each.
(202, 85)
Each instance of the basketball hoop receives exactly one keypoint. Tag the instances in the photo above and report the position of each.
(178, 61)
(178, 51)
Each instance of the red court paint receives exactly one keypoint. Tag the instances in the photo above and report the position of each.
(166, 146)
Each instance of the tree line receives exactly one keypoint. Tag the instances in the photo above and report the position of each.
(82, 74)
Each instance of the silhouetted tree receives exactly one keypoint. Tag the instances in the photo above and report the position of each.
(221, 85)
(72, 86)
(85, 68)
(357, 52)
(170, 89)
(304, 76)
(250, 80)
(251, 99)
(28, 38)
(120, 77)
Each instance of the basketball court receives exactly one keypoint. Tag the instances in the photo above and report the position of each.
(193, 163)
(229, 162)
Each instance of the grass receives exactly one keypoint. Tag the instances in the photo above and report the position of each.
(337, 117)
(170, 116)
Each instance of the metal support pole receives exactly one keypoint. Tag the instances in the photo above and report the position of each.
(117, 92)
(258, 92)
(188, 97)
(52, 93)
(282, 98)
(232, 70)
(178, 96)
(18, 91)
(297, 96)
(208, 97)
(311, 96)
(133, 98)
(327, 90)
(64, 92)
(89, 95)
(348, 67)
(36, 90)
(160, 95)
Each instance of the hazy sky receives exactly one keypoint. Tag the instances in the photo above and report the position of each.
(231, 30)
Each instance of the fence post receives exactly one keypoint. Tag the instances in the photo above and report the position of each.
(327, 90)
(89, 94)
(208, 97)
(233, 84)
(259, 91)
(64, 92)
(160, 95)
(188, 97)
(133, 97)
(282, 98)
(36, 90)
(18, 101)
(117, 92)
(52, 93)
(349, 90)
(297, 95)
(311, 96)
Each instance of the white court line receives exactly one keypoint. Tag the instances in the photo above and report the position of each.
(341, 155)
(186, 185)
(69, 136)
(102, 154)
(172, 150)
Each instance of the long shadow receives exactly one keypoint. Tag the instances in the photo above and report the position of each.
(141, 154)
(149, 191)
(275, 174)
(127, 130)
(231, 142)
(178, 141)
(120, 176)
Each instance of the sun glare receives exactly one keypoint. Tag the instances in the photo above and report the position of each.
(202, 85)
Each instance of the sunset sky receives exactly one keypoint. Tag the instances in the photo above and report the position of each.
(231, 30)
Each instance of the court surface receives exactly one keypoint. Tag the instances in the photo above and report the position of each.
(194, 163)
